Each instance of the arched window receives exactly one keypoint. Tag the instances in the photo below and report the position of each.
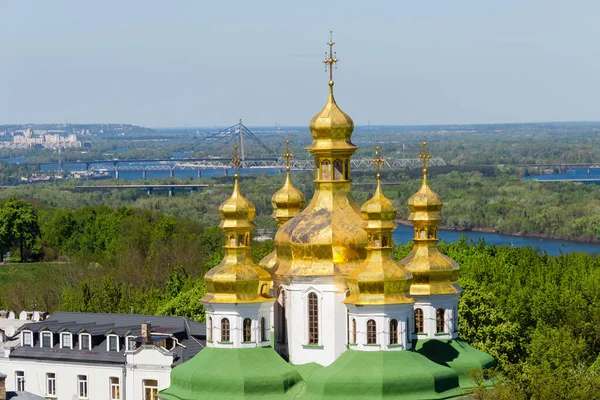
(232, 240)
(225, 333)
(376, 241)
(263, 330)
(240, 240)
(313, 319)
(326, 170)
(338, 167)
(353, 330)
(247, 330)
(419, 320)
(384, 241)
(210, 329)
(371, 332)
(347, 170)
(407, 330)
(439, 320)
(394, 331)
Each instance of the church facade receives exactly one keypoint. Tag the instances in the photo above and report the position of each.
(330, 313)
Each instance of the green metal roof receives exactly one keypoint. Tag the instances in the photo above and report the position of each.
(233, 374)
(436, 369)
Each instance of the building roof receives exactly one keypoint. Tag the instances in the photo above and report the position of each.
(22, 396)
(191, 336)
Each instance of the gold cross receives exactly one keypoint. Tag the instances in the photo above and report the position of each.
(424, 156)
(332, 60)
(287, 155)
(378, 161)
(235, 158)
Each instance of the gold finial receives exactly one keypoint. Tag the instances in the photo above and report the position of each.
(332, 60)
(424, 156)
(378, 161)
(235, 159)
(287, 155)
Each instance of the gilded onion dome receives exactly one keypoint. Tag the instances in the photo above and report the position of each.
(433, 271)
(379, 279)
(326, 238)
(287, 203)
(237, 279)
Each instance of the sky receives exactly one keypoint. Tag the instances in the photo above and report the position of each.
(199, 63)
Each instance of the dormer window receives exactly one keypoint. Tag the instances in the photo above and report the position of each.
(130, 343)
(27, 338)
(46, 339)
(85, 340)
(113, 343)
(66, 341)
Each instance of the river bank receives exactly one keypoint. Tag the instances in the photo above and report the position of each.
(515, 234)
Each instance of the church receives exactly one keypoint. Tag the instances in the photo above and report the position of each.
(330, 313)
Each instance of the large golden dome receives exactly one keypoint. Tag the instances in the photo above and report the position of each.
(326, 239)
(237, 279)
(433, 271)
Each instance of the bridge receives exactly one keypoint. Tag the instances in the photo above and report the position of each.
(199, 164)
(148, 188)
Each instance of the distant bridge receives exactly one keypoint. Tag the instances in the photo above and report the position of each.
(199, 164)
(148, 188)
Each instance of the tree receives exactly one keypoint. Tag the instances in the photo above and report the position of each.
(19, 225)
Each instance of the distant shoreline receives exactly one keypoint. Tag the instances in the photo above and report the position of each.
(518, 234)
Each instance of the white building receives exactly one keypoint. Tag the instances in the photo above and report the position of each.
(99, 356)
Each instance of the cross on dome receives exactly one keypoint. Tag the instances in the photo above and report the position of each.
(331, 60)
(378, 161)
(235, 159)
(424, 156)
(287, 155)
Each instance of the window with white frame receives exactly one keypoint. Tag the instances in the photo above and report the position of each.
(82, 386)
(115, 388)
(46, 339)
(85, 341)
(130, 343)
(113, 343)
(51, 384)
(20, 381)
(150, 389)
(65, 340)
(27, 338)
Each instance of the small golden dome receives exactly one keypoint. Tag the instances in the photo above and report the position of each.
(237, 211)
(433, 271)
(379, 279)
(237, 279)
(287, 201)
(331, 125)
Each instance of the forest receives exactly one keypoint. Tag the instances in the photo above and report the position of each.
(538, 315)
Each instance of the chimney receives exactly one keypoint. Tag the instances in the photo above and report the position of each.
(146, 333)
(2, 386)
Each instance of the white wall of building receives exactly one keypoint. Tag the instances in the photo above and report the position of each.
(332, 316)
(236, 313)
(382, 315)
(429, 305)
(146, 362)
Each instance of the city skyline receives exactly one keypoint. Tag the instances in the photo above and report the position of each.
(161, 65)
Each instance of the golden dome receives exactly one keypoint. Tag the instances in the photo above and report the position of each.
(379, 279)
(433, 271)
(326, 238)
(331, 127)
(237, 211)
(287, 203)
(237, 279)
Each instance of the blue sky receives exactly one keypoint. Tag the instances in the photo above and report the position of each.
(159, 63)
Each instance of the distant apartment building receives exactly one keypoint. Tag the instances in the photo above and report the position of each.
(45, 139)
(99, 356)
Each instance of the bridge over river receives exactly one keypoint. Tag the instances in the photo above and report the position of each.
(199, 164)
